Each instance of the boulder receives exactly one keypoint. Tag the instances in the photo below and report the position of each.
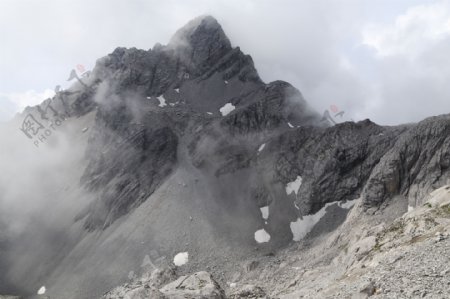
(196, 286)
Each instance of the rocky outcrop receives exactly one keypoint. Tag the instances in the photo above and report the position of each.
(196, 286)
(417, 163)
(248, 291)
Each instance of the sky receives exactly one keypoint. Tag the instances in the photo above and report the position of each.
(384, 60)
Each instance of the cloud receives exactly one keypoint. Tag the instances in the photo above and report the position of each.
(412, 33)
(17, 101)
(411, 64)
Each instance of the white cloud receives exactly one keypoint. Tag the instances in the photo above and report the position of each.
(17, 101)
(412, 32)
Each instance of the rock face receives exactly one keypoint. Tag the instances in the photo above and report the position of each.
(417, 164)
(188, 144)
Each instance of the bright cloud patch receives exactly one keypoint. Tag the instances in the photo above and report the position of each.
(261, 236)
(17, 101)
(181, 258)
(412, 32)
(294, 186)
(227, 108)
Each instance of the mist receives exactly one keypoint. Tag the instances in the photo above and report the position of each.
(39, 197)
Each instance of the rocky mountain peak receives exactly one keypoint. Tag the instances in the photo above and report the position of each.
(201, 32)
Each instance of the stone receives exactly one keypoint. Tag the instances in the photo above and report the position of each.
(247, 291)
(196, 286)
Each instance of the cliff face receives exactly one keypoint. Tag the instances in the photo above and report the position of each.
(187, 149)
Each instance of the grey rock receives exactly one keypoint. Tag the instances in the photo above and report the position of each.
(248, 291)
(199, 285)
(252, 265)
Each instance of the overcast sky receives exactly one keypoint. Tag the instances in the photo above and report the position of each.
(387, 60)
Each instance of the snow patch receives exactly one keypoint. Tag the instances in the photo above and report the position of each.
(265, 212)
(162, 101)
(410, 208)
(42, 290)
(294, 186)
(227, 108)
(261, 147)
(261, 236)
(226, 82)
(210, 113)
(347, 205)
(290, 125)
(181, 258)
(302, 227)
(177, 90)
(148, 98)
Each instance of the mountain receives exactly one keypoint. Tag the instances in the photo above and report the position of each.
(182, 155)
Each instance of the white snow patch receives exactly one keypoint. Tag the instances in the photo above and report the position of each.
(177, 90)
(296, 206)
(42, 290)
(410, 208)
(227, 108)
(265, 212)
(162, 101)
(261, 236)
(210, 113)
(233, 285)
(290, 125)
(347, 205)
(261, 147)
(149, 98)
(302, 227)
(226, 82)
(181, 258)
(294, 186)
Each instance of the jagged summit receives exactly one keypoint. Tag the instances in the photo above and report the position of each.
(201, 30)
(197, 51)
